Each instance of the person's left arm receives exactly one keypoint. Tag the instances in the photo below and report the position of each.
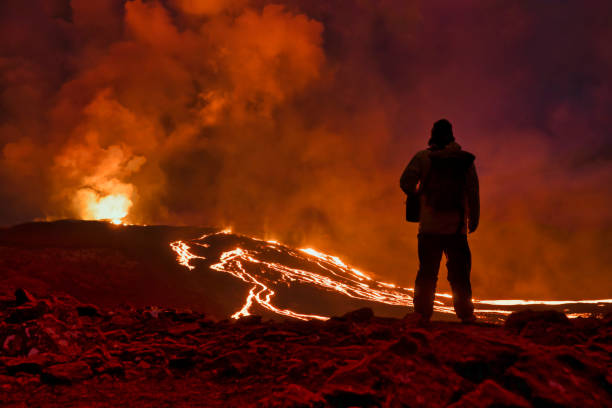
(473, 199)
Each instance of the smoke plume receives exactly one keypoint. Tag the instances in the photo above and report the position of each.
(293, 120)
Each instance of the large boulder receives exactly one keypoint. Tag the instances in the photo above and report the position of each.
(518, 320)
(360, 315)
(22, 297)
(293, 396)
(66, 373)
(491, 394)
(28, 312)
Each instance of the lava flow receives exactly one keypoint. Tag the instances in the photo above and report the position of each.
(268, 267)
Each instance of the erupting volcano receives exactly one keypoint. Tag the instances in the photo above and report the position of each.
(133, 131)
(113, 207)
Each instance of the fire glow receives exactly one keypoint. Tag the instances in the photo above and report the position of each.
(111, 207)
(327, 273)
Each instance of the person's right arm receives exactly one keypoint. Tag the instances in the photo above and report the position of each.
(411, 175)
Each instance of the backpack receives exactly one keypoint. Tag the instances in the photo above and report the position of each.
(445, 185)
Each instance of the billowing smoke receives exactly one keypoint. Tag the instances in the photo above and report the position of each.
(293, 120)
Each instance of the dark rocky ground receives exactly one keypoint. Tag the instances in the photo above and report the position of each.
(56, 351)
(112, 321)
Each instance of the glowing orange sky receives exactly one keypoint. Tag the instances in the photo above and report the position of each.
(294, 120)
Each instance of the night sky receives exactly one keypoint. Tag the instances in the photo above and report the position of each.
(293, 120)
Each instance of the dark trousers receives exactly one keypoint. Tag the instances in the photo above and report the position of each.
(459, 264)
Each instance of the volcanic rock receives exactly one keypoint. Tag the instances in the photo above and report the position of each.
(14, 344)
(66, 373)
(251, 319)
(233, 364)
(490, 394)
(22, 297)
(118, 335)
(518, 320)
(181, 363)
(88, 310)
(26, 312)
(278, 335)
(404, 347)
(31, 365)
(184, 329)
(293, 396)
(351, 396)
(134, 356)
(122, 321)
(360, 315)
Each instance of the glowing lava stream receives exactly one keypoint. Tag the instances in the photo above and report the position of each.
(334, 276)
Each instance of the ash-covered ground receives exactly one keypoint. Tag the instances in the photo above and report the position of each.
(110, 317)
(59, 352)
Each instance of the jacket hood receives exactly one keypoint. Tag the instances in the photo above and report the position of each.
(452, 151)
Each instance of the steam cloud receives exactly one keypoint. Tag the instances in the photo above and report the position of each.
(294, 120)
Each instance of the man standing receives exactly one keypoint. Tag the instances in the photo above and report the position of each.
(444, 179)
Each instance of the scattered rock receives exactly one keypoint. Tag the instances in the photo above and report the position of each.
(31, 365)
(138, 352)
(232, 364)
(293, 396)
(278, 335)
(184, 329)
(96, 357)
(518, 320)
(111, 367)
(66, 373)
(118, 335)
(379, 332)
(360, 315)
(351, 396)
(404, 347)
(26, 312)
(181, 363)
(14, 344)
(491, 394)
(22, 297)
(354, 360)
(88, 310)
(251, 319)
(478, 368)
(122, 321)
(418, 335)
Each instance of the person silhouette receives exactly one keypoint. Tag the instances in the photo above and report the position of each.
(443, 183)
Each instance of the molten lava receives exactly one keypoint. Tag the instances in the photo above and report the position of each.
(269, 267)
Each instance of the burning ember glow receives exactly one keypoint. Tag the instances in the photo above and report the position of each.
(271, 268)
(112, 207)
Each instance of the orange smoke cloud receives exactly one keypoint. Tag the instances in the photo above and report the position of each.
(294, 120)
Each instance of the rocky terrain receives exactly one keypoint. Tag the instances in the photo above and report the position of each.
(57, 351)
(96, 315)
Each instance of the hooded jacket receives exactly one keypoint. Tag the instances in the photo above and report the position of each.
(434, 221)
